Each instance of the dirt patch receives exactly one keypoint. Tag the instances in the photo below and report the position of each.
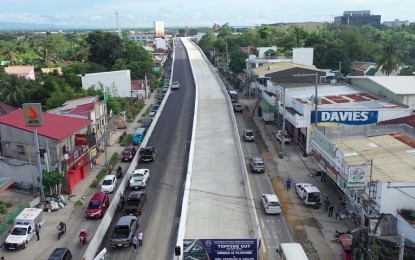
(294, 222)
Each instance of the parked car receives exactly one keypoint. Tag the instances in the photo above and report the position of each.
(148, 153)
(151, 114)
(283, 137)
(109, 184)
(248, 135)
(237, 107)
(98, 205)
(257, 164)
(175, 85)
(124, 230)
(128, 154)
(139, 178)
(135, 202)
(146, 122)
(155, 108)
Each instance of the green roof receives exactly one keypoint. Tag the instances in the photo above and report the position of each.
(372, 72)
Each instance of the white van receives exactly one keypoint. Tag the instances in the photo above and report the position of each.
(24, 228)
(271, 203)
(291, 251)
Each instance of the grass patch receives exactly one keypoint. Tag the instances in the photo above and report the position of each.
(113, 161)
(79, 203)
(127, 140)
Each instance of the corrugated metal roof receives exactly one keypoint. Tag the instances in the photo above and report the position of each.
(54, 126)
(281, 66)
(19, 69)
(393, 160)
(400, 85)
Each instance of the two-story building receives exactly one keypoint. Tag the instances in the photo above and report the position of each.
(64, 144)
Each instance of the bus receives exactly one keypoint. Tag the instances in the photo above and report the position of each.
(291, 251)
(233, 95)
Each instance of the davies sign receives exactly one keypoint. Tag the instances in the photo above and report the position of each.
(346, 117)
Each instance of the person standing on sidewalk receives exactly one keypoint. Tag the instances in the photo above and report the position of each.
(135, 242)
(140, 239)
(338, 213)
(37, 230)
(331, 208)
(288, 184)
(326, 204)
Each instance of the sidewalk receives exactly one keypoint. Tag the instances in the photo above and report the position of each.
(113, 146)
(310, 227)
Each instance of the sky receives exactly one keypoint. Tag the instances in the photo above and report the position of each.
(193, 13)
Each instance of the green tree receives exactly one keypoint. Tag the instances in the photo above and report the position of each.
(389, 56)
(105, 48)
(237, 61)
(13, 90)
(51, 180)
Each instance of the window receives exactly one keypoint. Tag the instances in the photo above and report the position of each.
(20, 149)
(42, 153)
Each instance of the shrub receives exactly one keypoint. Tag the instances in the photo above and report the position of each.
(127, 140)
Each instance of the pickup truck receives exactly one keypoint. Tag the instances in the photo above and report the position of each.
(124, 231)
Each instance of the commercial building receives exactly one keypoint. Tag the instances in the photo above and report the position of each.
(357, 18)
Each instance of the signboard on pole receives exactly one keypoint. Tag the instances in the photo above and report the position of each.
(32, 113)
(220, 249)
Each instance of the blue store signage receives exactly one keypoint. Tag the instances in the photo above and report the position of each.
(220, 249)
(353, 117)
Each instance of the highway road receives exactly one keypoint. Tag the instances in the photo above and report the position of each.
(171, 135)
(274, 227)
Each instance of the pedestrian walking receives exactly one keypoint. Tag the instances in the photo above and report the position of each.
(326, 204)
(338, 213)
(135, 242)
(140, 239)
(288, 183)
(37, 227)
(331, 208)
(323, 176)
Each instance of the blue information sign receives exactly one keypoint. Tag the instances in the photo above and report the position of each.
(220, 249)
(353, 117)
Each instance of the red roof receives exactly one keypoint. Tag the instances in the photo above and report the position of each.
(82, 110)
(54, 126)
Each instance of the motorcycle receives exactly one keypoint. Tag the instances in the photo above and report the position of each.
(61, 231)
(337, 235)
(122, 136)
(82, 241)
(119, 172)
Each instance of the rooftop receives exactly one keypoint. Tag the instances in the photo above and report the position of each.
(400, 85)
(393, 160)
(339, 96)
(54, 126)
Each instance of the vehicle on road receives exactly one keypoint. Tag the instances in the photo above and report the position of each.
(127, 155)
(291, 251)
(135, 202)
(175, 85)
(268, 117)
(139, 178)
(148, 154)
(283, 137)
(61, 253)
(109, 184)
(98, 205)
(271, 203)
(257, 164)
(24, 228)
(309, 194)
(237, 107)
(154, 109)
(233, 96)
(146, 122)
(248, 135)
(124, 231)
(139, 135)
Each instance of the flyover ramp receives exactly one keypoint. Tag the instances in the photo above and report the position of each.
(219, 205)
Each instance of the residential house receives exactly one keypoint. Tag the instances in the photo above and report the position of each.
(51, 70)
(26, 71)
(64, 145)
(140, 89)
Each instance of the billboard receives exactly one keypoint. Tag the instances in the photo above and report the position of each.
(357, 176)
(352, 117)
(220, 249)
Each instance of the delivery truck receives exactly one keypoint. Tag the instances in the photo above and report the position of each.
(24, 228)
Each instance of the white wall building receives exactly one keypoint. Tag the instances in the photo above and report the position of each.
(117, 82)
(158, 29)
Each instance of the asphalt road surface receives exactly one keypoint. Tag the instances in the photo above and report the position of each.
(161, 213)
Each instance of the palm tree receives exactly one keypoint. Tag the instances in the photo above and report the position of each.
(389, 56)
(13, 91)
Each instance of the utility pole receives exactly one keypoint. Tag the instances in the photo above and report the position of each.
(401, 246)
(227, 57)
(283, 125)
